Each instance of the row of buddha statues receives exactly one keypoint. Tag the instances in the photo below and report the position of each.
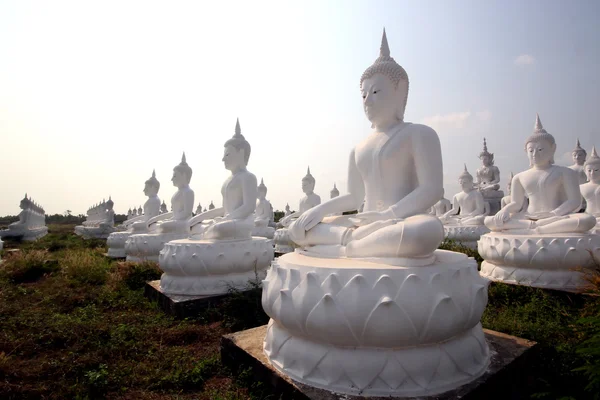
(31, 224)
(367, 304)
(99, 222)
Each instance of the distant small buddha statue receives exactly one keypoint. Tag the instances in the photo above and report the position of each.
(591, 190)
(163, 208)
(31, 224)
(134, 213)
(467, 206)
(579, 155)
(553, 193)
(198, 209)
(545, 243)
(211, 206)
(129, 213)
(287, 210)
(488, 180)
(441, 207)
(221, 253)
(334, 192)
(140, 210)
(167, 226)
(263, 214)
(310, 200)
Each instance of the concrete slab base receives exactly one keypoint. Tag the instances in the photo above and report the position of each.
(180, 306)
(502, 380)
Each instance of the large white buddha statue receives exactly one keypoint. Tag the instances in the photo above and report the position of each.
(263, 214)
(488, 180)
(464, 221)
(116, 241)
(591, 190)
(540, 245)
(31, 224)
(167, 226)
(579, 155)
(368, 297)
(221, 252)
(441, 207)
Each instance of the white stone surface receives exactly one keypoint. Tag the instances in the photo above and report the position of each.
(136, 225)
(283, 242)
(100, 221)
(221, 252)
(31, 224)
(591, 190)
(579, 155)
(441, 207)
(544, 243)
(355, 327)
(368, 306)
(465, 235)
(546, 261)
(167, 226)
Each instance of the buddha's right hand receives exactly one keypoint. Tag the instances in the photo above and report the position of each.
(305, 222)
(501, 217)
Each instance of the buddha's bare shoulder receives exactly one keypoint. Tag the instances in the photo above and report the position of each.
(247, 175)
(421, 132)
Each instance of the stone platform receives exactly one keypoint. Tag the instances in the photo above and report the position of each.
(180, 306)
(509, 355)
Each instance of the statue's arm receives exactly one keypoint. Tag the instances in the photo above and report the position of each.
(249, 196)
(496, 178)
(571, 184)
(479, 205)
(455, 207)
(429, 171)
(158, 218)
(210, 214)
(517, 196)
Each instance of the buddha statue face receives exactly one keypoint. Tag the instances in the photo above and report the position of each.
(466, 184)
(308, 185)
(382, 100)
(592, 171)
(579, 157)
(486, 160)
(262, 192)
(540, 153)
(179, 178)
(150, 190)
(234, 159)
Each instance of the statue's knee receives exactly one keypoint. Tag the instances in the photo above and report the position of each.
(586, 222)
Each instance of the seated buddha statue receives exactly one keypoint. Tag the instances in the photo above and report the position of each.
(553, 192)
(198, 209)
(310, 200)
(182, 203)
(211, 206)
(488, 180)
(396, 186)
(24, 215)
(263, 207)
(287, 210)
(151, 206)
(468, 207)
(108, 214)
(235, 219)
(591, 190)
(579, 154)
(441, 207)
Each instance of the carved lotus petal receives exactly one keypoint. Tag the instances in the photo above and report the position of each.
(364, 367)
(310, 359)
(357, 299)
(283, 310)
(411, 299)
(575, 258)
(462, 360)
(542, 257)
(505, 245)
(444, 318)
(327, 321)
(385, 286)
(511, 256)
(293, 279)
(390, 325)
(306, 295)
(420, 364)
(274, 343)
(330, 367)
(331, 285)
(528, 249)
(393, 374)
(478, 302)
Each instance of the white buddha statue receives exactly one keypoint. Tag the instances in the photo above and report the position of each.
(441, 207)
(139, 224)
(334, 192)
(310, 200)
(100, 221)
(591, 190)
(211, 206)
(167, 226)
(263, 214)
(488, 180)
(31, 224)
(548, 238)
(163, 208)
(129, 214)
(368, 297)
(134, 213)
(579, 155)
(198, 209)
(467, 206)
(287, 210)
(221, 252)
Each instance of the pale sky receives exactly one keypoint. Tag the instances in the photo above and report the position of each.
(94, 95)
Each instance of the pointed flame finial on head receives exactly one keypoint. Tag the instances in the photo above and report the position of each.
(238, 130)
(484, 145)
(539, 133)
(154, 173)
(538, 128)
(578, 148)
(183, 160)
(593, 158)
(465, 174)
(384, 50)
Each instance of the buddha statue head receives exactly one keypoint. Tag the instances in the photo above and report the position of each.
(109, 204)
(262, 190)
(287, 207)
(485, 156)
(140, 210)
(182, 174)
(152, 185)
(24, 203)
(308, 182)
(237, 151)
(334, 192)
(199, 208)
(384, 88)
(465, 180)
(163, 207)
(592, 167)
(211, 206)
(579, 154)
(540, 146)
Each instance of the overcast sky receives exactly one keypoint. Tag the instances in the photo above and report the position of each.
(94, 95)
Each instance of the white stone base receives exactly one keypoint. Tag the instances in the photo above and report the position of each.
(282, 241)
(465, 235)
(263, 231)
(94, 232)
(545, 261)
(208, 267)
(368, 329)
(28, 235)
(147, 247)
(116, 244)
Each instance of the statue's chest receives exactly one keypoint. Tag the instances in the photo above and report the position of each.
(231, 186)
(383, 153)
(541, 182)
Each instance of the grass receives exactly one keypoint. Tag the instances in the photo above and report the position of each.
(76, 325)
